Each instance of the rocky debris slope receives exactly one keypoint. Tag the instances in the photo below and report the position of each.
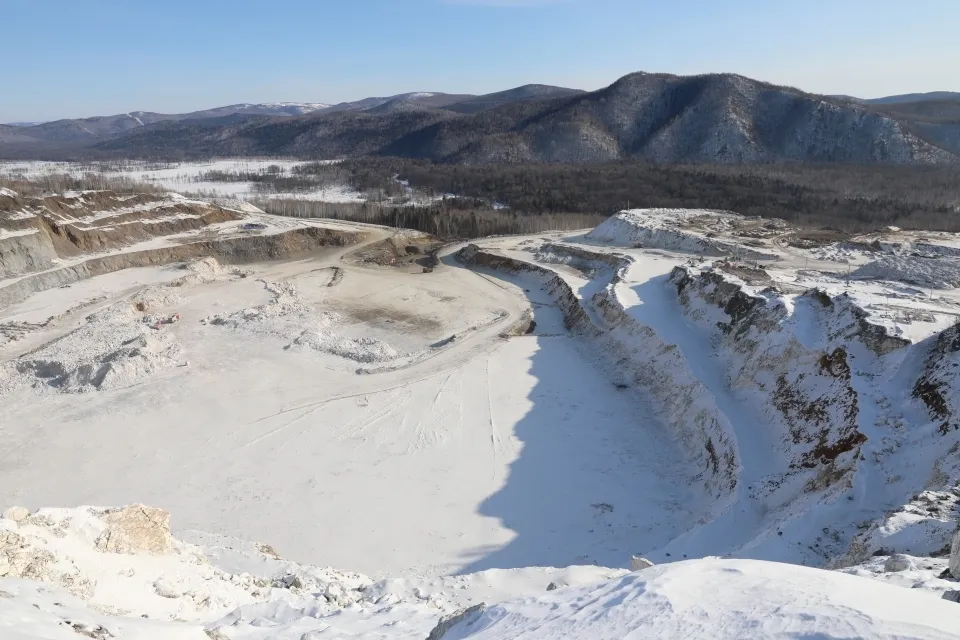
(120, 573)
(288, 316)
(123, 564)
(117, 346)
(826, 380)
(939, 272)
(694, 231)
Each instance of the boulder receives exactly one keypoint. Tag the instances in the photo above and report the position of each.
(166, 589)
(639, 564)
(136, 529)
(898, 562)
(955, 556)
(17, 514)
(447, 622)
(952, 596)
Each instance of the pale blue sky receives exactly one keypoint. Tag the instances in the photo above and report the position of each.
(75, 58)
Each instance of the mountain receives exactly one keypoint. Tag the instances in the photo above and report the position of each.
(933, 117)
(715, 118)
(658, 117)
(107, 126)
(13, 134)
(265, 109)
(915, 97)
(520, 94)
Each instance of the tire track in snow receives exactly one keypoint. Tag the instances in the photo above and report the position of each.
(494, 439)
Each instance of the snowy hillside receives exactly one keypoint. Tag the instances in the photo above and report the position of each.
(275, 108)
(119, 573)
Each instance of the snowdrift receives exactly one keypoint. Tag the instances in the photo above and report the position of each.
(119, 573)
(719, 599)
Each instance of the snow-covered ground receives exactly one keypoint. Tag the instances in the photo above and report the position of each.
(186, 177)
(118, 573)
(415, 462)
(388, 420)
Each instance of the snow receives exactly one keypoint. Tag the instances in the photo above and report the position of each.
(185, 177)
(14, 233)
(332, 193)
(214, 586)
(720, 599)
(936, 272)
(447, 456)
(462, 466)
(922, 575)
(684, 230)
(297, 107)
(10, 193)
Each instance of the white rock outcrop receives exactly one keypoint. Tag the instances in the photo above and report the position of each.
(898, 562)
(17, 514)
(136, 529)
(638, 563)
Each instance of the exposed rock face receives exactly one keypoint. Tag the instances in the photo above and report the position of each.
(241, 250)
(938, 387)
(39, 231)
(136, 529)
(447, 622)
(955, 556)
(639, 564)
(813, 400)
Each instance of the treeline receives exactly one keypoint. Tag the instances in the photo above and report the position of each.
(448, 219)
(853, 198)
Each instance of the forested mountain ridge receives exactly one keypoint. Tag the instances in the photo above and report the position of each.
(661, 118)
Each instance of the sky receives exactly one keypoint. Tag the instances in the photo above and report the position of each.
(81, 58)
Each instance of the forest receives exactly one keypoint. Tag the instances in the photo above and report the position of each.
(848, 197)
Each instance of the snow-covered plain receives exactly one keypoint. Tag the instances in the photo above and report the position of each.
(417, 427)
(186, 177)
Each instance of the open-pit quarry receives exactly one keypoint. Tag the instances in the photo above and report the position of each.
(462, 422)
